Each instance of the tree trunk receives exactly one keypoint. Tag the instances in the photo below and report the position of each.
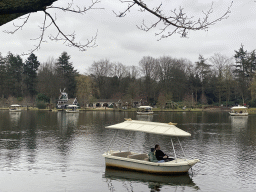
(12, 9)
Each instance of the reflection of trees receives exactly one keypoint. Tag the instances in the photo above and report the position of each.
(67, 122)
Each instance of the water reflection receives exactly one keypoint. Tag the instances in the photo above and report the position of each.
(238, 123)
(145, 117)
(14, 118)
(55, 151)
(154, 182)
(66, 120)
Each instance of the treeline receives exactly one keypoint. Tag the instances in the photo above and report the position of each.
(33, 81)
(218, 80)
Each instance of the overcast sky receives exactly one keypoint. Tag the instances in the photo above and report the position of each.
(119, 40)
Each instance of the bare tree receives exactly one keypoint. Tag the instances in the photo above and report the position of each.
(9, 12)
(171, 22)
(100, 72)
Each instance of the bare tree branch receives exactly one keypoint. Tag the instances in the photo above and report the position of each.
(41, 37)
(70, 39)
(78, 9)
(67, 39)
(19, 27)
(178, 20)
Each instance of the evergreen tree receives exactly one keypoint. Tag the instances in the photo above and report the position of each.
(66, 74)
(30, 71)
(244, 70)
(203, 70)
(14, 75)
(3, 75)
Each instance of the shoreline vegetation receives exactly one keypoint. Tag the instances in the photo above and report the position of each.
(208, 109)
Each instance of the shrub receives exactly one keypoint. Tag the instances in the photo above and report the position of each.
(41, 105)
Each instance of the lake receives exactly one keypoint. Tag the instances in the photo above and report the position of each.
(62, 152)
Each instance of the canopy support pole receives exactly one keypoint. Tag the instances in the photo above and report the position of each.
(182, 149)
(112, 140)
(129, 143)
(124, 141)
(174, 151)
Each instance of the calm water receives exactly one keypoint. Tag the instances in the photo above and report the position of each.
(59, 152)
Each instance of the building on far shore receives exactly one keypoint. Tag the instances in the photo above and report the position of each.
(64, 101)
(113, 103)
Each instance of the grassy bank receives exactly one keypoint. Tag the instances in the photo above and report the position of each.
(251, 111)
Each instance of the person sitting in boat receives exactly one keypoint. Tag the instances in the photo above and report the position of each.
(160, 155)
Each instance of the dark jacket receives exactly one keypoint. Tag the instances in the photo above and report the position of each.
(159, 154)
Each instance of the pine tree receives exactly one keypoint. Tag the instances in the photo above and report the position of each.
(30, 71)
(66, 74)
(14, 75)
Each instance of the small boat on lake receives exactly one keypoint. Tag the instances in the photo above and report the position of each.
(145, 110)
(238, 111)
(72, 109)
(15, 108)
(144, 162)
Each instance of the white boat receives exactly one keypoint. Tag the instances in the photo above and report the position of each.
(15, 108)
(145, 110)
(141, 161)
(72, 109)
(238, 111)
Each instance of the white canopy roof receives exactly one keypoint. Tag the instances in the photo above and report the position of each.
(15, 105)
(72, 106)
(144, 107)
(150, 127)
(239, 107)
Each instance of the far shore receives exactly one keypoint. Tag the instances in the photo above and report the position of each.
(208, 109)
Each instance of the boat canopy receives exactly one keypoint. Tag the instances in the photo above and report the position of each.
(144, 107)
(238, 107)
(72, 106)
(150, 127)
(15, 105)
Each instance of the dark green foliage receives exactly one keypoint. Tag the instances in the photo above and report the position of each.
(217, 81)
(14, 67)
(66, 74)
(43, 98)
(41, 105)
(30, 74)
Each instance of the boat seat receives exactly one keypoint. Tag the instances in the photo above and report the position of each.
(122, 154)
(142, 156)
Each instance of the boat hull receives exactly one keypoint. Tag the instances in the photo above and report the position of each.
(238, 114)
(167, 168)
(145, 113)
(69, 111)
(15, 110)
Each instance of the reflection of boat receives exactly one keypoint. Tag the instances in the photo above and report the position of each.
(15, 108)
(238, 122)
(145, 117)
(238, 111)
(141, 162)
(152, 180)
(14, 118)
(72, 109)
(144, 110)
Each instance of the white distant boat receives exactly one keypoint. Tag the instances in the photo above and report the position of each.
(15, 108)
(145, 110)
(239, 111)
(72, 109)
(141, 161)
